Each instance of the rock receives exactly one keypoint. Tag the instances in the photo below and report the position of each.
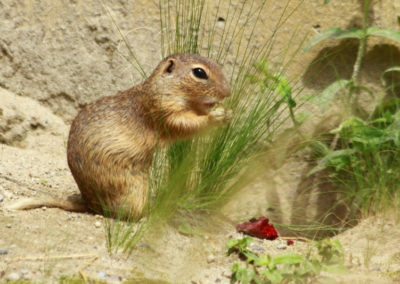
(24, 271)
(210, 258)
(19, 116)
(257, 248)
(3, 251)
(97, 224)
(13, 276)
(1, 198)
(8, 226)
(25, 274)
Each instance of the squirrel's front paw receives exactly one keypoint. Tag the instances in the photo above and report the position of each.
(220, 115)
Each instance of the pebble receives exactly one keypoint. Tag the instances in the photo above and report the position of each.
(144, 245)
(257, 248)
(24, 271)
(97, 224)
(13, 277)
(102, 275)
(8, 225)
(210, 258)
(1, 198)
(217, 280)
(376, 268)
(3, 251)
(281, 246)
(220, 25)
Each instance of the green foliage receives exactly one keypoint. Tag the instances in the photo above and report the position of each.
(240, 247)
(366, 159)
(267, 80)
(331, 251)
(286, 268)
(337, 33)
(362, 157)
(121, 234)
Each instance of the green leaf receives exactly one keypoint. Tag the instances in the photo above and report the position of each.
(352, 123)
(232, 246)
(334, 158)
(262, 66)
(251, 256)
(285, 91)
(244, 275)
(393, 69)
(386, 33)
(336, 33)
(320, 148)
(327, 1)
(329, 93)
(290, 258)
(263, 261)
(274, 276)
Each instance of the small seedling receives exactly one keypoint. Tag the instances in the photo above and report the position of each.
(286, 268)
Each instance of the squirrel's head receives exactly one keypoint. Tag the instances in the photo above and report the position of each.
(190, 81)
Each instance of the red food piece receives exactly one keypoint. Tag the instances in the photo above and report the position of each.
(290, 242)
(259, 228)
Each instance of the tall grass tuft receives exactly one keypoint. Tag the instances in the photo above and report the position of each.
(201, 174)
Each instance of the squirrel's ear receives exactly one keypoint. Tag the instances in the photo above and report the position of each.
(170, 66)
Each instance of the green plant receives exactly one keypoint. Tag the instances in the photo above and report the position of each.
(362, 155)
(354, 33)
(286, 268)
(267, 79)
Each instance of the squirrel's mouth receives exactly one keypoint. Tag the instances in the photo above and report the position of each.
(209, 105)
(203, 105)
(208, 102)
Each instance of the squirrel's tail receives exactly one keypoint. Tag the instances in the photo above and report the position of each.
(48, 201)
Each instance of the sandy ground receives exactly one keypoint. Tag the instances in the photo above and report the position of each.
(48, 244)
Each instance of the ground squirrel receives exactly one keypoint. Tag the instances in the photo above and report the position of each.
(112, 140)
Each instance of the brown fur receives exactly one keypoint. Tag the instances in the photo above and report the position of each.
(112, 140)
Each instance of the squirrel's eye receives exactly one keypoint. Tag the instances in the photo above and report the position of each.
(200, 73)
